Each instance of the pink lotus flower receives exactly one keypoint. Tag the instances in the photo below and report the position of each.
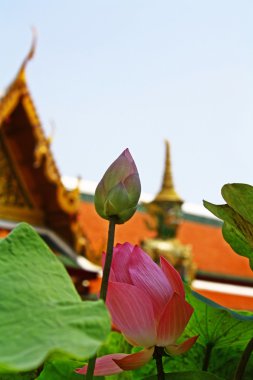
(147, 304)
(118, 192)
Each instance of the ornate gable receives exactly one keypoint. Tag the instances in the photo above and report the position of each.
(31, 189)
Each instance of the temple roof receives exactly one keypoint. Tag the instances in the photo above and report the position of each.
(31, 189)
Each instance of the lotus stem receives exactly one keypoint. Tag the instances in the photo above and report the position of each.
(91, 367)
(108, 259)
(104, 284)
(243, 361)
(207, 357)
(158, 356)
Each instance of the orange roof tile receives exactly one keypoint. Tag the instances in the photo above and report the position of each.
(210, 251)
(233, 301)
(96, 230)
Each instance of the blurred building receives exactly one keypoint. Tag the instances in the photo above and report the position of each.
(32, 190)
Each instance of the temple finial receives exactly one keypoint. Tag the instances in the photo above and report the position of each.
(28, 57)
(167, 192)
(50, 137)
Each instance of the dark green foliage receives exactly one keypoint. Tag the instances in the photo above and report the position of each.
(19, 376)
(237, 215)
(192, 375)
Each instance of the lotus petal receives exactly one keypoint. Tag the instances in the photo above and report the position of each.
(136, 360)
(132, 313)
(178, 349)
(173, 277)
(105, 365)
(173, 321)
(149, 277)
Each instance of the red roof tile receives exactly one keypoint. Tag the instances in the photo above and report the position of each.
(232, 301)
(210, 251)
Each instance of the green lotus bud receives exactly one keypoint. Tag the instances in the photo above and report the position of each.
(118, 192)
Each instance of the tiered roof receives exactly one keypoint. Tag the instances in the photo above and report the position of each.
(30, 183)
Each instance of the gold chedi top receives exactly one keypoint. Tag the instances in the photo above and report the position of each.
(167, 192)
(166, 212)
(166, 206)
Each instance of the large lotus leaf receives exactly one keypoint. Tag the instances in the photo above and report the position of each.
(192, 375)
(238, 218)
(114, 343)
(223, 363)
(40, 310)
(220, 330)
(216, 325)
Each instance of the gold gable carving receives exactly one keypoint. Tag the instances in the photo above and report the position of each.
(14, 204)
(11, 193)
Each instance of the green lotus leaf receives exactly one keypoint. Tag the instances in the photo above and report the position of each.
(237, 215)
(40, 310)
(191, 375)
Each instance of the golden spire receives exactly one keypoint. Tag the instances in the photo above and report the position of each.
(18, 88)
(167, 192)
(21, 73)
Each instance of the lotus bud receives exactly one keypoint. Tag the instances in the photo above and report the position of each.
(118, 192)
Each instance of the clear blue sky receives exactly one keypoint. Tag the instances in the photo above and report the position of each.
(116, 74)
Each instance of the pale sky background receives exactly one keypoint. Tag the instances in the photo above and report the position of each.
(117, 74)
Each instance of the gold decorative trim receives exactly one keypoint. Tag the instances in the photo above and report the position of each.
(11, 173)
(69, 200)
(17, 214)
(7, 104)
